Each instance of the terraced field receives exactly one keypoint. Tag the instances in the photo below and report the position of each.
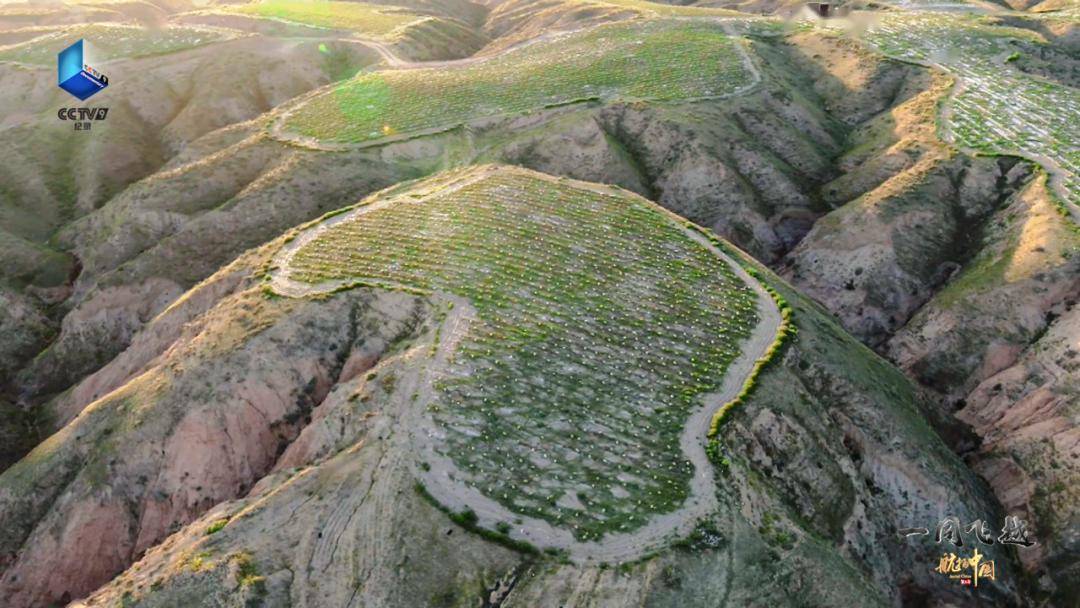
(110, 41)
(997, 108)
(367, 19)
(599, 327)
(931, 4)
(655, 60)
(671, 10)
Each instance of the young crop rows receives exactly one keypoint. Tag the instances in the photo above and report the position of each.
(355, 16)
(670, 10)
(999, 109)
(600, 325)
(110, 42)
(658, 60)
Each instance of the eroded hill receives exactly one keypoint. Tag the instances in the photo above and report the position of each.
(864, 180)
(277, 437)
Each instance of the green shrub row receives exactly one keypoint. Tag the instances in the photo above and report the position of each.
(217, 526)
(786, 329)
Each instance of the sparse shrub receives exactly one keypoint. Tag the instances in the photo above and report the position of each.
(217, 526)
(389, 382)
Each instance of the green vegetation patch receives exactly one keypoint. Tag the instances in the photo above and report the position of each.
(672, 10)
(217, 526)
(600, 325)
(111, 41)
(356, 16)
(657, 60)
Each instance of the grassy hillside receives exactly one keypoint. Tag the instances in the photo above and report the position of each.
(659, 60)
(110, 41)
(743, 166)
(367, 19)
(277, 437)
(600, 327)
(666, 10)
(823, 461)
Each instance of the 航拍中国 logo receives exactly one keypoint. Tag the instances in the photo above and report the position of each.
(969, 570)
(75, 75)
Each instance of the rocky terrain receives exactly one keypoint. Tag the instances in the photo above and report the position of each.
(174, 432)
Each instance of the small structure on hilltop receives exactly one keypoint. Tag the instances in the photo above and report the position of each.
(826, 10)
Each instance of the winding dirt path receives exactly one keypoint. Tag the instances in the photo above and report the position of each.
(439, 476)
